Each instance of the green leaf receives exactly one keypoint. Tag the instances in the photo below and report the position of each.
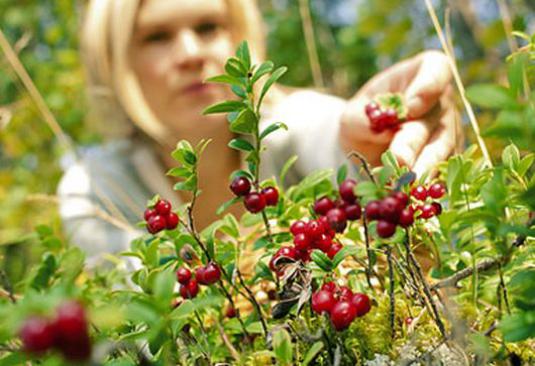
(272, 128)
(238, 91)
(264, 68)
(491, 96)
(346, 251)
(163, 287)
(46, 270)
(341, 174)
(525, 164)
(188, 185)
(518, 327)
(151, 255)
(180, 172)
(272, 79)
(312, 179)
(240, 144)
(225, 79)
(235, 68)
(322, 260)
(515, 73)
(244, 55)
(312, 352)
(224, 107)
(366, 189)
(494, 194)
(245, 122)
(282, 347)
(389, 160)
(286, 167)
(511, 157)
(227, 204)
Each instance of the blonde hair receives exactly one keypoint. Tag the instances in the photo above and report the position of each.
(115, 94)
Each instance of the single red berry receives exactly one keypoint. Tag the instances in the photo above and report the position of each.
(419, 192)
(353, 211)
(323, 243)
(437, 190)
(427, 211)
(304, 255)
(342, 314)
(314, 229)
(37, 335)
(230, 312)
(330, 286)
(271, 195)
(373, 210)
(254, 202)
(72, 335)
(156, 224)
(389, 209)
(199, 275)
(390, 117)
(183, 275)
(163, 207)
(287, 252)
(346, 190)
(301, 241)
(337, 219)
(406, 218)
(402, 197)
(408, 320)
(190, 290)
(171, 221)
(298, 227)
(437, 208)
(345, 293)
(385, 229)
(335, 248)
(212, 273)
(362, 303)
(323, 205)
(149, 212)
(240, 186)
(323, 301)
(370, 107)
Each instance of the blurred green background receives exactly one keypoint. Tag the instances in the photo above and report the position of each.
(354, 39)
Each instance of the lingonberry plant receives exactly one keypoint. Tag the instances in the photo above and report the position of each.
(378, 269)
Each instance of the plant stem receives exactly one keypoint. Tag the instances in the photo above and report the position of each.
(368, 251)
(364, 162)
(255, 303)
(7, 285)
(391, 292)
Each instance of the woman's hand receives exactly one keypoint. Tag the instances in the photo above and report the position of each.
(433, 130)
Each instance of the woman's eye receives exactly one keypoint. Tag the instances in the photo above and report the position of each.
(206, 28)
(159, 36)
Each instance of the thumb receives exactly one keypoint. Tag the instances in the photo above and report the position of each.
(431, 80)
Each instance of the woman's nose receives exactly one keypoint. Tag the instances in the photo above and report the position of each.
(188, 51)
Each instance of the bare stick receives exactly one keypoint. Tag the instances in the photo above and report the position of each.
(391, 293)
(235, 354)
(364, 162)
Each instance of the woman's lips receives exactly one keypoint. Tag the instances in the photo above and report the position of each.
(197, 88)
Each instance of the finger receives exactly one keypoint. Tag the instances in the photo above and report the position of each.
(427, 86)
(441, 144)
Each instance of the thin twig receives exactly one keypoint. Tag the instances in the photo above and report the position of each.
(391, 293)
(368, 252)
(255, 303)
(6, 283)
(310, 42)
(364, 162)
(235, 354)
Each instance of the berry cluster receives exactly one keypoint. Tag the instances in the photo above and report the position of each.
(382, 119)
(160, 217)
(428, 208)
(68, 333)
(340, 303)
(389, 212)
(207, 275)
(345, 208)
(254, 201)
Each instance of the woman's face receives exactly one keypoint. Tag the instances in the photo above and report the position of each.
(175, 46)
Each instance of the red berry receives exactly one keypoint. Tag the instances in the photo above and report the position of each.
(72, 336)
(304, 255)
(172, 221)
(437, 208)
(419, 192)
(37, 335)
(271, 195)
(314, 229)
(240, 186)
(342, 314)
(389, 209)
(301, 241)
(199, 275)
(390, 117)
(212, 273)
(230, 312)
(156, 224)
(353, 211)
(337, 219)
(330, 286)
(298, 227)
(335, 248)
(149, 212)
(406, 218)
(372, 210)
(345, 293)
(190, 290)
(362, 303)
(287, 252)
(408, 320)
(346, 190)
(323, 243)
(402, 197)
(183, 275)
(436, 190)
(163, 207)
(385, 229)
(254, 202)
(370, 107)
(428, 211)
(323, 205)
(323, 301)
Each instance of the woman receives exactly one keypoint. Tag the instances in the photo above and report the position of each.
(146, 62)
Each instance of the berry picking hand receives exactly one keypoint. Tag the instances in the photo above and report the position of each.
(430, 134)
